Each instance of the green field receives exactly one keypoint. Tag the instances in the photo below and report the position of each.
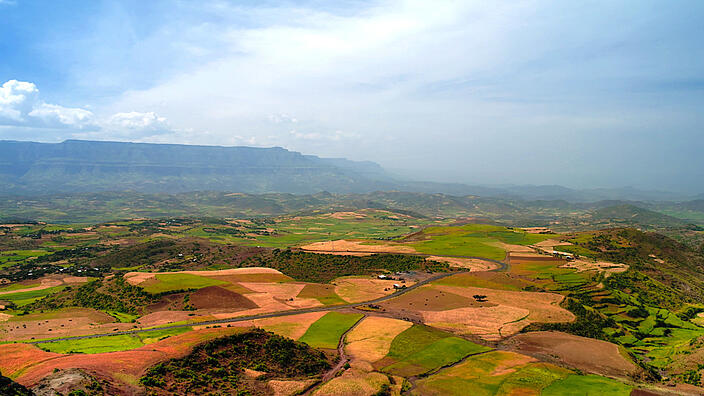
(302, 230)
(326, 331)
(323, 293)
(114, 343)
(478, 240)
(420, 349)
(171, 282)
(587, 385)
(491, 374)
(23, 298)
(17, 287)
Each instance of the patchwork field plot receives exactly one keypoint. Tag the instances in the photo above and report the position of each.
(487, 313)
(326, 331)
(585, 354)
(354, 289)
(30, 364)
(110, 343)
(420, 349)
(493, 373)
(473, 240)
(371, 340)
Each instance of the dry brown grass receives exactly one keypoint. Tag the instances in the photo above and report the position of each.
(468, 263)
(353, 382)
(371, 339)
(484, 322)
(586, 354)
(287, 388)
(599, 266)
(357, 289)
(68, 322)
(293, 326)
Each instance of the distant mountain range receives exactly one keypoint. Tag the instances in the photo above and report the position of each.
(74, 166)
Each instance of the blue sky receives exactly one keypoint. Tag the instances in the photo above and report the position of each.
(583, 94)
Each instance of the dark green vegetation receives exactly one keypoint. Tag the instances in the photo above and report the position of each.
(113, 294)
(218, 366)
(9, 387)
(682, 220)
(314, 267)
(649, 309)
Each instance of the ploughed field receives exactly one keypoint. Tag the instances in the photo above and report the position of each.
(344, 303)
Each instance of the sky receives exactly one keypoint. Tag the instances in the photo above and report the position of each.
(583, 94)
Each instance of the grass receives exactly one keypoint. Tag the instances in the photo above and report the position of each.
(478, 240)
(440, 353)
(326, 331)
(23, 298)
(17, 287)
(587, 385)
(302, 230)
(122, 342)
(420, 349)
(323, 293)
(472, 280)
(123, 317)
(171, 282)
(478, 376)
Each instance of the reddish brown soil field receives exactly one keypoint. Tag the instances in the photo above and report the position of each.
(217, 297)
(124, 368)
(586, 354)
(521, 259)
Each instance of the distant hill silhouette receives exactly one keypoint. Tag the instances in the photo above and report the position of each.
(78, 166)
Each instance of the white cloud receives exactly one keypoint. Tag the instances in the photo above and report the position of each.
(135, 121)
(20, 105)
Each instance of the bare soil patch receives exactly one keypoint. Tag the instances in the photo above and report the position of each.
(217, 297)
(430, 298)
(586, 354)
(136, 278)
(542, 307)
(527, 259)
(599, 266)
(468, 263)
(346, 246)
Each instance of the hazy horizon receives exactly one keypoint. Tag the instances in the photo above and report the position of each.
(595, 95)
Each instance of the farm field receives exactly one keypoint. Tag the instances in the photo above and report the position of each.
(326, 332)
(427, 321)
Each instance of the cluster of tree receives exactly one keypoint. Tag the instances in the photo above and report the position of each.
(322, 268)
(9, 387)
(589, 322)
(217, 366)
(113, 294)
